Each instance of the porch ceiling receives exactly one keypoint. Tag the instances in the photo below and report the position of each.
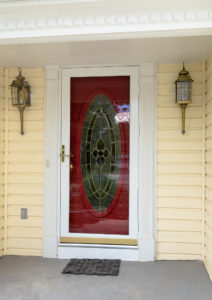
(107, 52)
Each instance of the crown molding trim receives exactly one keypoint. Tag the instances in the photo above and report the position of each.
(96, 23)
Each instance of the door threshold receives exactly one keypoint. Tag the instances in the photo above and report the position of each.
(98, 251)
(104, 241)
(97, 246)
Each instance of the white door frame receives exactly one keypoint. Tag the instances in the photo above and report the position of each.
(145, 251)
(65, 166)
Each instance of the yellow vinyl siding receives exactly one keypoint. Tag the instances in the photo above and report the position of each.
(208, 182)
(25, 169)
(1, 161)
(179, 168)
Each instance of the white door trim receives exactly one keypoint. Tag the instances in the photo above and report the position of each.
(147, 175)
(52, 170)
(148, 162)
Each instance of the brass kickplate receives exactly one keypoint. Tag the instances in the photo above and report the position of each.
(104, 241)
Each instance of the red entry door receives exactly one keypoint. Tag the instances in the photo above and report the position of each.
(99, 166)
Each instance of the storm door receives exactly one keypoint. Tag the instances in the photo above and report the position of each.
(95, 162)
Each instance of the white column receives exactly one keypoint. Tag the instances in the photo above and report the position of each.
(147, 161)
(51, 194)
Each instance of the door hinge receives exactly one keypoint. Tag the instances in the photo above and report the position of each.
(139, 131)
(138, 208)
(62, 154)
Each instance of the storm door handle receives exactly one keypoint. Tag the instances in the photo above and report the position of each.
(63, 155)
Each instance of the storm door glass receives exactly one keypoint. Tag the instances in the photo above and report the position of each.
(99, 164)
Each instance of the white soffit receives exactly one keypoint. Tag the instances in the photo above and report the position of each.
(80, 20)
(116, 52)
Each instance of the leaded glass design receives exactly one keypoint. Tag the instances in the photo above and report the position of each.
(100, 153)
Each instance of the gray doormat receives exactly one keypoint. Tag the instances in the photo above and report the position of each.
(101, 267)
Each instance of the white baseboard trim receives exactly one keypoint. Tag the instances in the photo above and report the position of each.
(128, 253)
(147, 249)
(49, 249)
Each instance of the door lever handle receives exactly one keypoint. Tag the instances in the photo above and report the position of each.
(63, 155)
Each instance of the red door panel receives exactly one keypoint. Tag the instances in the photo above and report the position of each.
(99, 179)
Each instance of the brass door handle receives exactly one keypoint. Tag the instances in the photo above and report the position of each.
(63, 155)
(71, 166)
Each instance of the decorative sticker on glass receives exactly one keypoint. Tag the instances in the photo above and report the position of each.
(100, 153)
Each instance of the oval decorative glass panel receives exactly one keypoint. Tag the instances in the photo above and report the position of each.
(100, 153)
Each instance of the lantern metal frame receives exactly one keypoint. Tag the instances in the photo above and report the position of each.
(20, 95)
(183, 77)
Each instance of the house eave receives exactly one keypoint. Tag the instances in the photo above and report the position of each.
(99, 20)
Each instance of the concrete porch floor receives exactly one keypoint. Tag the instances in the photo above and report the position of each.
(40, 278)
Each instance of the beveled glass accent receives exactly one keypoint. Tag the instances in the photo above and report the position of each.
(100, 153)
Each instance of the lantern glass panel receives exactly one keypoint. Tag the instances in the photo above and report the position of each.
(21, 97)
(183, 91)
(14, 95)
(24, 96)
(28, 102)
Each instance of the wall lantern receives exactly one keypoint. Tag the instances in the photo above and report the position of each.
(183, 92)
(20, 93)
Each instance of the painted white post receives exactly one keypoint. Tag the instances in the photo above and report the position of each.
(147, 161)
(52, 117)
